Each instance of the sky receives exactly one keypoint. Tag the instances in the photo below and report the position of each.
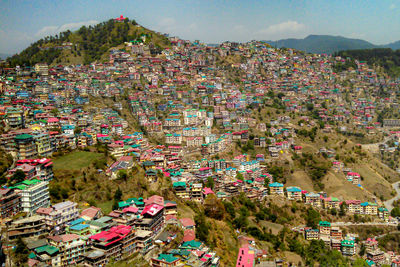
(211, 21)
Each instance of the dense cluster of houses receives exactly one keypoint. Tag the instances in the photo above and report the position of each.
(189, 103)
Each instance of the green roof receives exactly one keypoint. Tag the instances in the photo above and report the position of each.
(347, 243)
(167, 257)
(176, 184)
(180, 252)
(23, 185)
(324, 224)
(23, 136)
(192, 244)
(48, 249)
(32, 255)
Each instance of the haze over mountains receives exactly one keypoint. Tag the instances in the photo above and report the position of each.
(4, 56)
(328, 44)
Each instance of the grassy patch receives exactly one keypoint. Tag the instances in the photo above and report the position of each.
(106, 206)
(76, 160)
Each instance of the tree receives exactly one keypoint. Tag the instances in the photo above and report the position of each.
(18, 176)
(342, 210)
(313, 218)
(362, 250)
(118, 194)
(333, 211)
(77, 130)
(201, 227)
(239, 176)
(213, 207)
(122, 174)
(360, 263)
(230, 209)
(395, 212)
(54, 112)
(21, 252)
(210, 182)
(117, 198)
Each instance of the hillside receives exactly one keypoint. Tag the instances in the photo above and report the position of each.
(394, 45)
(88, 44)
(387, 58)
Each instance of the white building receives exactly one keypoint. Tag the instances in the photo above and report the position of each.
(34, 194)
(59, 214)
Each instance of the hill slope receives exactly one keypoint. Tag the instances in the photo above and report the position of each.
(394, 45)
(385, 57)
(321, 44)
(87, 44)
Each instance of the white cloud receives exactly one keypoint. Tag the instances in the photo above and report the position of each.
(284, 27)
(392, 6)
(51, 30)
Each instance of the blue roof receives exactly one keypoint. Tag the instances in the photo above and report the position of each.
(293, 189)
(79, 227)
(276, 184)
(77, 221)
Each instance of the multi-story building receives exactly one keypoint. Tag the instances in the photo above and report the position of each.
(43, 145)
(42, 68)
(196, 192)
(293, 193)
(311, 234)
(173, 138)
(383, 213)
(324, 228)
(25, 146)
(181, 190)
(112, 243)
(43, 167)
(58, 215)
(313, 199)
(26, 227)
(152, 219)
(34, 194)
(15, 117)
(165, 260)
(276, 189)
(377, 256)
(354, 206)
(336, 233)
(369, 208)
(71, 248)
(9, 203)
(331, 203)
(348, 247)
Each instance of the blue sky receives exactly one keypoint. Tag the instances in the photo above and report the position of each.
(211, 21)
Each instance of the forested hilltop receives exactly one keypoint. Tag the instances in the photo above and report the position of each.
(385, 57)
(88, 44)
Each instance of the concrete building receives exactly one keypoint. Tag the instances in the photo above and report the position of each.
(34, 194)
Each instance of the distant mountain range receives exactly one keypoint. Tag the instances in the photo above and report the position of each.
(328, 44)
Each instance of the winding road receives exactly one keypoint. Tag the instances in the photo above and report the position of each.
(389, 203)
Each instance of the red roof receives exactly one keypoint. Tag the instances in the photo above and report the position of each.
(189, 235)
(155, 200)
(152, 209)
(113, 235)
(187, 222)
(90, 212)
